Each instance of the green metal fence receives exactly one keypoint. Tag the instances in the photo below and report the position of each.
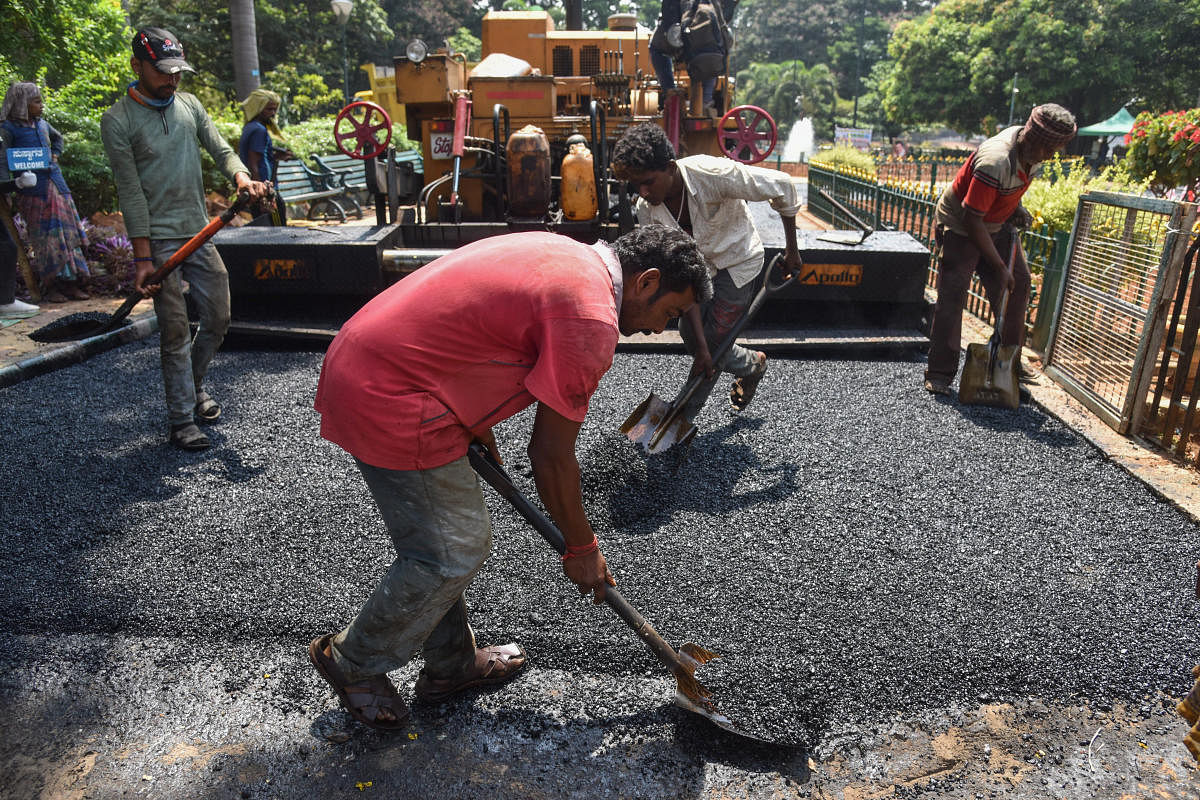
(906, 205)
(932, 172)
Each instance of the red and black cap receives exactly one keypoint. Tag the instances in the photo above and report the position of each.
(160, 48)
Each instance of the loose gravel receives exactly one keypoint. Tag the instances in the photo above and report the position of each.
(856, 550)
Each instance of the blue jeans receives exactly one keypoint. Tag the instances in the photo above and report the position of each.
(442, 534)
(185, 360)
(664, 68)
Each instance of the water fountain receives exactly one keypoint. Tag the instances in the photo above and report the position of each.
(800, 145)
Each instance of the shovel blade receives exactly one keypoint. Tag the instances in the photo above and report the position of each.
(644, 426)
(73, 331)
(690, 694)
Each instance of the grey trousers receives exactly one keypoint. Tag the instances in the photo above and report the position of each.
(185, 360)
(442, 534)
(720, 314)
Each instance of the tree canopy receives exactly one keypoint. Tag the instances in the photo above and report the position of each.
(956, 64)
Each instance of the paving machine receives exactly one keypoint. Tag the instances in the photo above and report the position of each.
(518, 141)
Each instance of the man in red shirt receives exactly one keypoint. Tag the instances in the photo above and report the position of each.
(429, 366)
(976, 217)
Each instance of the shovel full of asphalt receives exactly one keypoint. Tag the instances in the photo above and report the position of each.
(689, 692)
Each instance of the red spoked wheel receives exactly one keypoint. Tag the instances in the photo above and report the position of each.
(362, 130)
(747, 134)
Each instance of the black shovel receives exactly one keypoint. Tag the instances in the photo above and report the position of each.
(689, 692)
(86, 328)
(658, 426)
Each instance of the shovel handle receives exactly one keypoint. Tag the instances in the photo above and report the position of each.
(867, 229)
(727, 343)
(494, 474)
(994, 342)
(196, 242)
(190, 246)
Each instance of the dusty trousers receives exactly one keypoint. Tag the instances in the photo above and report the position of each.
(185, 359)
(442, 534)
(960, 260)
(720, 314)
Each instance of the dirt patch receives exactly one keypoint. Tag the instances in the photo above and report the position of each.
(199, 754)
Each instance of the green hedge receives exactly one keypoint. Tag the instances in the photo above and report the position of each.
(847, 156)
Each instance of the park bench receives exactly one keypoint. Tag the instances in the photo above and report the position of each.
(297, 184)
(343, 170)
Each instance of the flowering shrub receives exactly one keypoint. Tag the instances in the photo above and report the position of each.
(1166, 149)
(110, 256)
(1054, 194)
(846, 156)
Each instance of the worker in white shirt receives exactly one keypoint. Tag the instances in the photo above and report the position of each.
(707, 197)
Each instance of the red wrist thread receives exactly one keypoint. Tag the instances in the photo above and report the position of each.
(574, 551)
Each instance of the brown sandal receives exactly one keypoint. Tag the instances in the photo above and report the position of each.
(363, 700)
(744, 388)
(494, 666)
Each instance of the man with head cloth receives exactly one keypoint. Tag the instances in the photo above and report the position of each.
(977, 216)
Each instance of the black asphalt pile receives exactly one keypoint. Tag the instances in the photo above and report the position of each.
(851, 546)
(50, 331)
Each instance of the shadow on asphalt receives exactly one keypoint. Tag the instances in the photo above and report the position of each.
(1029, 420)
(626, 488)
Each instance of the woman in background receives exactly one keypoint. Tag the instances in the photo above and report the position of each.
(51, 221)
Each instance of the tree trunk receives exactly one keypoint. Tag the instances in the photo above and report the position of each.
(574, 15)
(245, 47)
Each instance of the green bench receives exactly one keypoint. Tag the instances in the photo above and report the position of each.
(342, 170)
(297, 185)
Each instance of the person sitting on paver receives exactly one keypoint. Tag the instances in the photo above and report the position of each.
(429, 366)
(152, 136)
(707, 197)
(977, 216)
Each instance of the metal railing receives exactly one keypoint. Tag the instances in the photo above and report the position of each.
(901, 205)
(919, 170)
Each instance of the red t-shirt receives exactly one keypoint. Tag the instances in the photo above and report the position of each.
(992, 182)
(468, 341)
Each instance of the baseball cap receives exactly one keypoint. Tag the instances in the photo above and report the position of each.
(160, 48)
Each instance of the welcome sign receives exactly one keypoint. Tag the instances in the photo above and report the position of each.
(21, 159)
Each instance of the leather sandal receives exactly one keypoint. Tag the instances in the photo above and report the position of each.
(207, 409)
(936, 386)
(362, 700)
(186, 436)
(494, 666)
(744, 388)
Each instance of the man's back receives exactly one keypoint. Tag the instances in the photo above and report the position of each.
(466, 342)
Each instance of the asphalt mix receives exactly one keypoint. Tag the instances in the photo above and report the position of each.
(856, 550)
